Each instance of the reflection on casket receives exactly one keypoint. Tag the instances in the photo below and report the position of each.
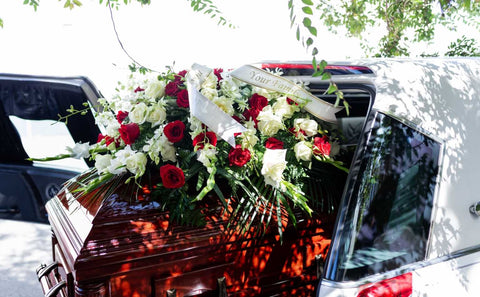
(116, 247)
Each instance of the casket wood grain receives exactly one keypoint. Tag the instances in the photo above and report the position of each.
(118, 247)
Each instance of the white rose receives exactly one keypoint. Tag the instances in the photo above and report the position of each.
(273, 166)
(284, 109)
(156, 115)
(303, 151)
(138, 114)
(310, 127)
(102, 162)
(268, 123)
(155, 89)
(80, 150)
(136, 163)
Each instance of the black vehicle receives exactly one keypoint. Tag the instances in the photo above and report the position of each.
(29, 106)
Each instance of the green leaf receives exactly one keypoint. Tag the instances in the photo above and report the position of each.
(307, 22)
(307, 10)
(298, 33)
(308, 2)
(331, 89)
(313, 31)
(309, 42)
(1, 23)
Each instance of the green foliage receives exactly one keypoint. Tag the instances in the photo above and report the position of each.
(404, 21)
(463, 47)
(33, 3)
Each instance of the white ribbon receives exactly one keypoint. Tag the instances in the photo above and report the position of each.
(208, 112)
(261, 78)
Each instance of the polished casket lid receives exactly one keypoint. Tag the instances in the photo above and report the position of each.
(120, 240)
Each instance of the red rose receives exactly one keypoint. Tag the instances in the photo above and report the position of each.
(171, 89)
(174, 131)
(108, 139)
(251, 114)
(180, 75)
(202, 138)
(121, 115)
(238, 156)
(274, 144)
(257, 102)
(172, 176)
(182, 98)
(129, 132)
(321, 146)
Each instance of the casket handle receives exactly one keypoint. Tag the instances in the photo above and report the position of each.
(43, 269)
(56, 289)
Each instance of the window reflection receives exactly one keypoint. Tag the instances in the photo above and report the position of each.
(388, 217)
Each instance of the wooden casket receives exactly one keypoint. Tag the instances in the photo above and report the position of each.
(120, 246)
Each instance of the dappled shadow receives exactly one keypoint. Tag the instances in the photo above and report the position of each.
(23, 247)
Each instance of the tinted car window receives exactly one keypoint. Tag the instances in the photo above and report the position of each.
(387, 221)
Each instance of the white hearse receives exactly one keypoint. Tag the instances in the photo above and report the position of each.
(409, 220)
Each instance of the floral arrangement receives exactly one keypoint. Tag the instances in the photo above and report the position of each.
(152, 139)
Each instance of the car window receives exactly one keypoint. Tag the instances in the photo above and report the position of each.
(46, 138)
(388, 215)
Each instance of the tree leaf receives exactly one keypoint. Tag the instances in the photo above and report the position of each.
(309, 42)
(308, 2)
(307, 10)
(307, 22)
